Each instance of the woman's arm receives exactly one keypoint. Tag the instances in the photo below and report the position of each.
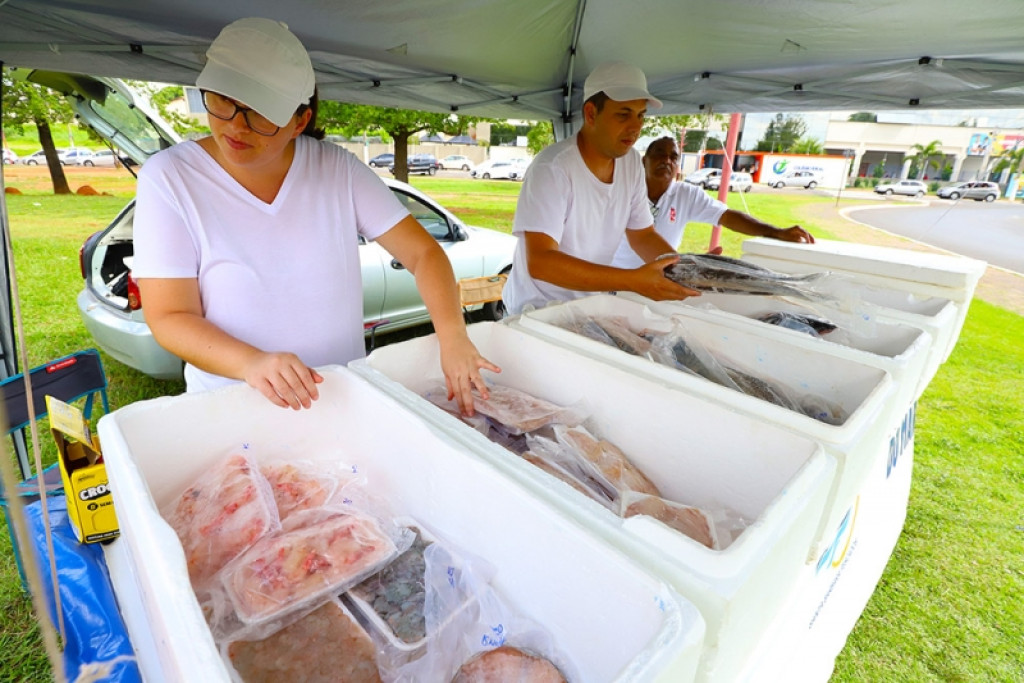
(461, 363)
(174, 314)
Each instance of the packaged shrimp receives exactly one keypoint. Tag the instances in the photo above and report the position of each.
(221, 516)
(301, 484)
(316, 554)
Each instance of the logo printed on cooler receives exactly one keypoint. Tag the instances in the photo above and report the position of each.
(94, 492)
(900, 439)
(836, 551)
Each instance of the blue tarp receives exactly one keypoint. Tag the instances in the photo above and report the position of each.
(95, 632)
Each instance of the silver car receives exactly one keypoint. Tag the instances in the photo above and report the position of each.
(109, 303)
(111, 308)
(805, 179)
(978, 191)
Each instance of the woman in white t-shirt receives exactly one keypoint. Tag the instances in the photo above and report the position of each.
(246, 241)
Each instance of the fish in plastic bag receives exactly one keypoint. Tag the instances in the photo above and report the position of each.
(717, 273)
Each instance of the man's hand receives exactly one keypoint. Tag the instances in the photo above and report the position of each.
(652, 282)
(793, 234)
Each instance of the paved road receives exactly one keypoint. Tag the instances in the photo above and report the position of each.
(991, 232)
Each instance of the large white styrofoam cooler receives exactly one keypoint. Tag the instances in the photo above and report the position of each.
(925, 283)
(900, 349)
(862, 391)
(696, 452)
(613, 618)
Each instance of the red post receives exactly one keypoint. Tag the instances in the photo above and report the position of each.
(728, 157)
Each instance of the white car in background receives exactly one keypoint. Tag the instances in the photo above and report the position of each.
(104, 158)
(805, 179)
(702, 176)
(10, 157)
(77, 156)
(739, 181)
(494, 170)
(910, 188)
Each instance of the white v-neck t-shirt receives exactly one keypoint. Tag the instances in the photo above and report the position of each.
(283, 276)
(588, 218)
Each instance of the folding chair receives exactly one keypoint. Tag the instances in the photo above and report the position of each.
(70, 378)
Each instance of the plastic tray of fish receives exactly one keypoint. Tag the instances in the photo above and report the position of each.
(390, 604)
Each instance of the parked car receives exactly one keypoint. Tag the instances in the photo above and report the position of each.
(805, 179)
(424, 164)
(112, 309)
(497, 170)
(77, 156)
(702, 176)
(103, 158)
(39, 157)
(978, 191)
(739, 181)
(911, 188)
(382, 160)
(10, 157)
(519, 168)
(456, 161)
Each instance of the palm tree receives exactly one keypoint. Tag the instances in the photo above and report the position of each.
(923, 156)
(808, 146)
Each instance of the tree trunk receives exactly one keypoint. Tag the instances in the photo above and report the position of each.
(60, 183)
(401, 139)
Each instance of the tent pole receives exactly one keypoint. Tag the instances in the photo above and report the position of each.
(723, 187)
(9, 364)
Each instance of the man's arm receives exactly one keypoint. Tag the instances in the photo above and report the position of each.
(546, 262)
(748, 225)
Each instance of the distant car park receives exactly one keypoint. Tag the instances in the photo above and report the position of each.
(425, 164)
(978, 191)
(910, 188)
(39, 157)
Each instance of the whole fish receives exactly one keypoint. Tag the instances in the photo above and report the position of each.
(715, 273)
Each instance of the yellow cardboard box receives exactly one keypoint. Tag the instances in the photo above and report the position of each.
(90, 505)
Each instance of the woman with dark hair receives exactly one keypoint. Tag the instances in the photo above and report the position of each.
(246, 241)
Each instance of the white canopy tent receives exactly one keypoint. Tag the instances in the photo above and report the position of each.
(528, 59)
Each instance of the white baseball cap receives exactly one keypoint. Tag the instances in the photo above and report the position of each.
(619, 81)
(260, 63)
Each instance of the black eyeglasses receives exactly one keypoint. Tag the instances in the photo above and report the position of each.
(225, 109)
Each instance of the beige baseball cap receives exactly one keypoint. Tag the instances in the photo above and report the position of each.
(619, 81)
(261, 64)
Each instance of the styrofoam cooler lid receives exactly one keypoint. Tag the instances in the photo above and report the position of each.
(942, 270)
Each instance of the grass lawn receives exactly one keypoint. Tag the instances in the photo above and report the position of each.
(949, 605)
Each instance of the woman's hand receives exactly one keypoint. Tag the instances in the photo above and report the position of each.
(461, 364)
(284, 380)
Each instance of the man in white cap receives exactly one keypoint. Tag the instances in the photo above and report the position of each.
(675, 203)
(581, 195)
(247, 241)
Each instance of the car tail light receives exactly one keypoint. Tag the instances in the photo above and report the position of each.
(134, 297)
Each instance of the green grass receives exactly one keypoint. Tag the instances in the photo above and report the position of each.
(948, 607)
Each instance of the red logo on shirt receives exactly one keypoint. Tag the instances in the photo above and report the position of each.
(672, 215)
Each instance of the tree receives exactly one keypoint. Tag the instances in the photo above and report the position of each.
(182, 125)
(1013, 160)
(782, 134)
(863, 117)
(808, 146)
(540, 136)
(400, 124)
(922, 156)
(692, 127)
(28, 103)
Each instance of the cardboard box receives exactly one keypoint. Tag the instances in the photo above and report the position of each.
(90, 505)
